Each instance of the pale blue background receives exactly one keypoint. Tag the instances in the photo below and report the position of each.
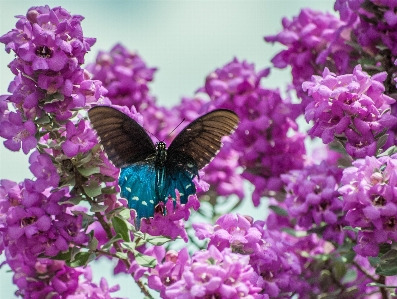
(184, 39)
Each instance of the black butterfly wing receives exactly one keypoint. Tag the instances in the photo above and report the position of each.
(201, 139)
(123, 139)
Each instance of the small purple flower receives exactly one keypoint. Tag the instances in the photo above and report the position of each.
(78, 139)
(171, 224)
(18, 133)
(42, 167)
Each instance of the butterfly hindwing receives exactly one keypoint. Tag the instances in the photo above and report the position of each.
(201, 139)
(123, 139)
(138, 185)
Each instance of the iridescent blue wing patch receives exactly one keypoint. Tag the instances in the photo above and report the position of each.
(138, 185)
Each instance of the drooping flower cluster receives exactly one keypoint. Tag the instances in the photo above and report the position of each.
(368, 190)
(313, 199)
(351, 107)
(265, 119)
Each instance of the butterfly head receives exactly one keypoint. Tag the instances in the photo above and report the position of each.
(161, 153)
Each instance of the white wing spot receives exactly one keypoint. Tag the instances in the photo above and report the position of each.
(181, 194)
(188, 186)
(151, 201)
(144, 203)
(128, 189)
(126, 178)
(135, 198)
(189, 165)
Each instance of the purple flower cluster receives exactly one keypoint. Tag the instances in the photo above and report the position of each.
(313, 40)
(32, 276)
(49, 48)
(214, 273)
(313, 199)
(368, 190)
(276, 266)
(171, 224)
(125, 76)
(351, 106)
(265, 119)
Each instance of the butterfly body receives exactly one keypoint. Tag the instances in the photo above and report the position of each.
(150, 173)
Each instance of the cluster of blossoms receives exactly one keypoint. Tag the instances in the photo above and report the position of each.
(368, 190)
(265, 120)
(313, 199)
(211, 273)
(313, 40)
(353, 108)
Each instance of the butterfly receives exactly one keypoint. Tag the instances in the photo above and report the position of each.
(150, 172)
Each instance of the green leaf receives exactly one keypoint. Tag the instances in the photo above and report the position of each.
(145, 260)
(129, 245)
(93, 190)
(43, 120)
(381, 141)
(82, 259)
(93, 244)
(74, 200)
(278, 210)
(88, 171)
(125, 213)
(122, 255)
(388, 264)
(62, 256)
(108, 244)
(108, 190)
(97, 208)
(351, 228)
(390, 151)
(121, 227)
(157, 240)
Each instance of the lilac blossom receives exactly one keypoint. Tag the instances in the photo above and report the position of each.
(44, 170)
(126, 77)
(368, 189)
(80, 138)
(18, 133)
(213, 273)
(313, 199)
(171, 224)
(313, 40)
(351, 105)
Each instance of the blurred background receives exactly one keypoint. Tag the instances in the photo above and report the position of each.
(185, 40)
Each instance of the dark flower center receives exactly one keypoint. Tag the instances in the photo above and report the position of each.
(391, 223)
(378, 200)
(28, 221)
(43, 51)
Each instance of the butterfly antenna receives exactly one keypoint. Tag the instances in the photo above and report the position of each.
(151, 134)
(176, 127)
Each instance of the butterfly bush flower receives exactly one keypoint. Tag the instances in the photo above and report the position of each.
(265, 119)
(125, 76)
(351, 105)
(313, 199)
(313, 39)
(78, 139)
(368, 189)
(272, 254)
(44, 170)
(213, 273)
(171, 224)
(18, 133)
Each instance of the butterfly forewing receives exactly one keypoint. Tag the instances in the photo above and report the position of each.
(123, 139)
(201, 139)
